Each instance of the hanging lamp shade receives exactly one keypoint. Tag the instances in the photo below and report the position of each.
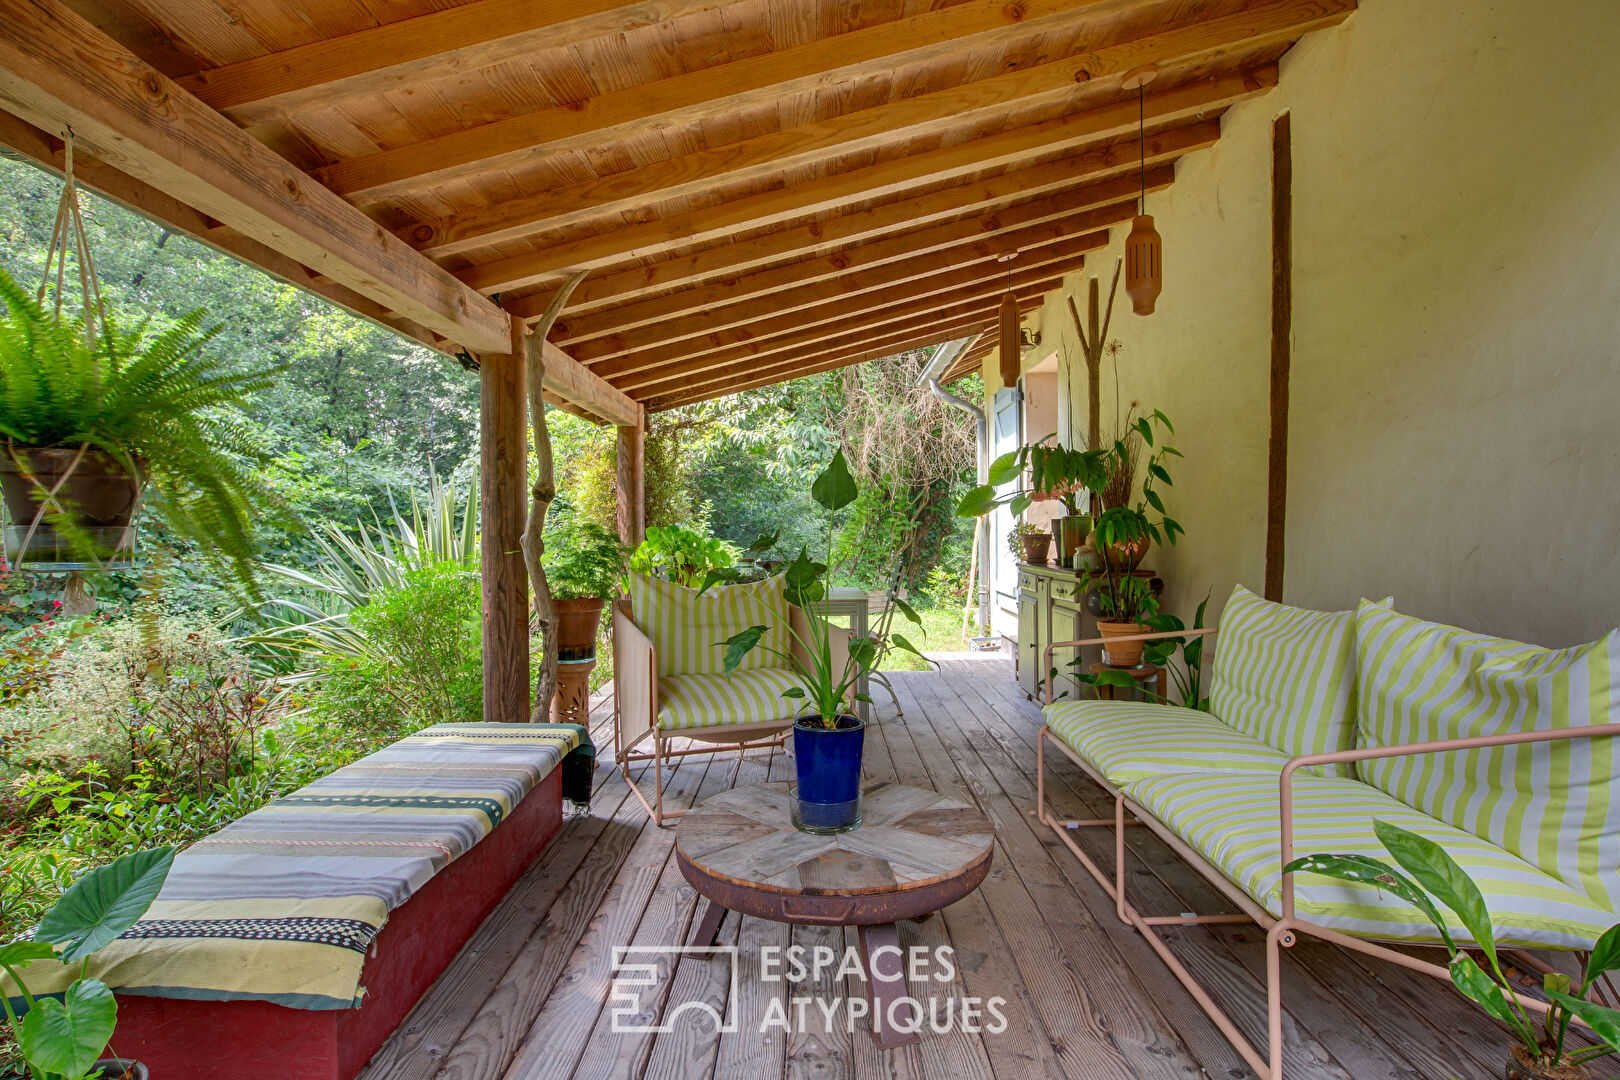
(1144, 265)
(1011, 353)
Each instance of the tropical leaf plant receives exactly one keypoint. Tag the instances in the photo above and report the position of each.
(1432, 879)
(158, 402)
(62, 1039)
(824, 683)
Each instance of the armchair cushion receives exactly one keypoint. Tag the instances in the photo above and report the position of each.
(1285, 675)
(752, 696)
(1129, 741)
(1231, 820)
(686, 627)
(1556, 804)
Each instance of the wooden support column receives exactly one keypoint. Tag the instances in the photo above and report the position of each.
(632, 481)
(1282, 328)
(503, 492)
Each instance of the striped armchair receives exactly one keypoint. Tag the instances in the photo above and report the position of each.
(669, 682)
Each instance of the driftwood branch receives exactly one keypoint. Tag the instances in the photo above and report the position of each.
(540, 499)
(1093, 344)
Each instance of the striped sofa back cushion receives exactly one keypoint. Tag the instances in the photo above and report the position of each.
(687, 628)
(1555, 805)
(1284, 675)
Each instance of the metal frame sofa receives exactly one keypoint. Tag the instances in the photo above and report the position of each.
(1322, 723)
(669, 681)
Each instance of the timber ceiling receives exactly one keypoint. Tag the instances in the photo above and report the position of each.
(759, 189)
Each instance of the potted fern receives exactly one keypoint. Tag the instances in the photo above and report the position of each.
(90, 423)
(583, 564)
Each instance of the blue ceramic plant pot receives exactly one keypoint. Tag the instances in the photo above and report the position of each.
(828, 761)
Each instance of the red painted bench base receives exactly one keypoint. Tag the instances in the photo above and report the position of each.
(255, 1040)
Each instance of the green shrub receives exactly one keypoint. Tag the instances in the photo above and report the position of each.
(415, 659)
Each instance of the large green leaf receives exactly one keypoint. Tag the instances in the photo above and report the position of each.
(900, 642)
(716, 575)
(1473, 982)
(738, 646)
(1605, 954)
(977, 503)
(1369, 871)
(66, 1037)
(835, 487)
(1604, 1022)
(105, 902)
(1435, 870)
(18, 953)
(1005, 467)
(863, 651)
(906, 610)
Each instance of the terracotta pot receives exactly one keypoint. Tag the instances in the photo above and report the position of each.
(1521, 1067)
(1123, 557)
(1072, 532)
(577, 621)
(119, 1069)
(1037, 547)
(1126, 654)
(99, 491)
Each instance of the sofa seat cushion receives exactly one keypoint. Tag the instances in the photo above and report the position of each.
(1128, 741)
(1231, 819)
(1286, 676)
(688, 628)
(1554, 804)
(748, 696)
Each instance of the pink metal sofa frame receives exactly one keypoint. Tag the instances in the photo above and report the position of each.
(1280, 933)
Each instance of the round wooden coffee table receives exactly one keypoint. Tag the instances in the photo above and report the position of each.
(915, 852)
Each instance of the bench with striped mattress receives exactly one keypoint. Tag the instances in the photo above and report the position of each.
(1336, 714)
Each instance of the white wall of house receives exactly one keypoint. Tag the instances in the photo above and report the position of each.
(1455, 428)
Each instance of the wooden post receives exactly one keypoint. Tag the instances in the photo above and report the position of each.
(632, 481)
(503, 467)
(1282, 328)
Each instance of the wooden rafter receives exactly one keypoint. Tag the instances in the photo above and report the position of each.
(866, 128)
(653, 237)
(751, 80)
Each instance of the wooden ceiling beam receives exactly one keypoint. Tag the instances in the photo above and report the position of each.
(903, 320)
(395, 55)
(831, 318)
(738, 256)
(754, 79)
(57, 70)
(652, 238)
(1060, 215)
(1197, 42)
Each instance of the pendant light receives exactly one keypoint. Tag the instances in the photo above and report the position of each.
(1011, 354)
(1144, 267)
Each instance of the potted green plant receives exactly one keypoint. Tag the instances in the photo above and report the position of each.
(1028, 543)
(1053, 472)
(681, 555)
(90, 426)
(583, 564)
(828, 740)
(1539, 1051)
(64, 1039)
(1130, 527)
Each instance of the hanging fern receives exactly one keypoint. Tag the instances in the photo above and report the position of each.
(158, 403)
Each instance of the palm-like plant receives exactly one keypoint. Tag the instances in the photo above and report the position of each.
(156, 403)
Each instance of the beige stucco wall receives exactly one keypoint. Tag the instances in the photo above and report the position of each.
(1455, 428)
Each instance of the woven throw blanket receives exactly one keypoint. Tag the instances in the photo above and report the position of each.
(282, 904)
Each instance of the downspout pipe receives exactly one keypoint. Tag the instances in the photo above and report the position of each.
(937, 365)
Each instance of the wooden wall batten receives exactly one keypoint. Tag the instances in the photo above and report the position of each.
(1282, 328)
(503, 494)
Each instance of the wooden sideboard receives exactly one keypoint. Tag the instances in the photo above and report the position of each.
(1052, 607)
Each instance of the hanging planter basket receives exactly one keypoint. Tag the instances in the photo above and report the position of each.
(94, 489)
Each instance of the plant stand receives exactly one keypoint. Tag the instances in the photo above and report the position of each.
(1142, 674)
(572, 702)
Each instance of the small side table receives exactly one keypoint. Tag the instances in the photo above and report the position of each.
(846, 600)
(1142, 674)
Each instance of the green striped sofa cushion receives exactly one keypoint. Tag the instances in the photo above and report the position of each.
(752, 696)
(1127, 740)
(1556, 805)
(1285, 675)
(1231, 820)
(687, 628)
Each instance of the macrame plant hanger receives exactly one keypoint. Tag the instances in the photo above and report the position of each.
(68, 233)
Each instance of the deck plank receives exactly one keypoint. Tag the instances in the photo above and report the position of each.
(528, 999)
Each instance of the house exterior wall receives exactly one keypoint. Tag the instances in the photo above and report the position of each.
(1455, 400)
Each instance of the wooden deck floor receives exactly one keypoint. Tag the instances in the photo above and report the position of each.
(1086, 1000)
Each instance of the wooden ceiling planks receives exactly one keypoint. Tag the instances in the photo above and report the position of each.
(759, 186)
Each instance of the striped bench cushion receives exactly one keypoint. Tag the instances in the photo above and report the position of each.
(687, 628)
(1285, 676)
(1556, 805)
(1231, 820)
(1128, 741)
(752, 696)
